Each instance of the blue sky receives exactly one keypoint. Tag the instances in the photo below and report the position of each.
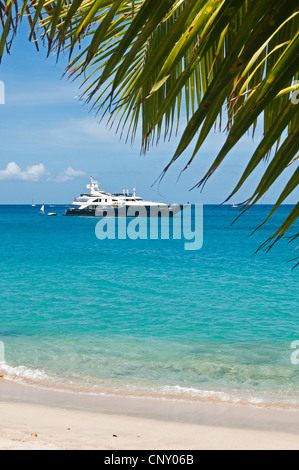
(50, 144)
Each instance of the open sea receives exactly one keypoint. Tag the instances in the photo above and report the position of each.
(146, 317)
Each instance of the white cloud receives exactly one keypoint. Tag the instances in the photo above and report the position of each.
(31, 173)
(35, 173)
(67, 175)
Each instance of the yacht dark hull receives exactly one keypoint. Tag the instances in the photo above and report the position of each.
(80, 213)
(169, 212)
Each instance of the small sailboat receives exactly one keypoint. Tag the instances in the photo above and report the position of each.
(234, 205)
(33, 205)
(42, 209)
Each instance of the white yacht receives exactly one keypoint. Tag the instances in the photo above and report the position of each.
(97, 203)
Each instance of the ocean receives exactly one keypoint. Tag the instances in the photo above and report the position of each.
(146, 317)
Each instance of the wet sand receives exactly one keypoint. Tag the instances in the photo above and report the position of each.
(33, 418)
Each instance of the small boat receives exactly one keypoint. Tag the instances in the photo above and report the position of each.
(51, 214)
(42, 209)
(234, 205)
(33, 205)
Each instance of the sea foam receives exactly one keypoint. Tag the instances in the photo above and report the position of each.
(22, 372)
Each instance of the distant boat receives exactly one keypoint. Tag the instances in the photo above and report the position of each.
(42, 209)
(33, 205)
(234, 205)
(51, 213)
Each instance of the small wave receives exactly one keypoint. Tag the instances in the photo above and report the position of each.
(22, 372)
(38, 378)
(232, 397)
(191, 391)
(208, 394)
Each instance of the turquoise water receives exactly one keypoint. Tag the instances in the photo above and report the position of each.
(146, 316)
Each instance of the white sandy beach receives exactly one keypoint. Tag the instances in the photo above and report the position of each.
(40, 419)
(37, 427)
